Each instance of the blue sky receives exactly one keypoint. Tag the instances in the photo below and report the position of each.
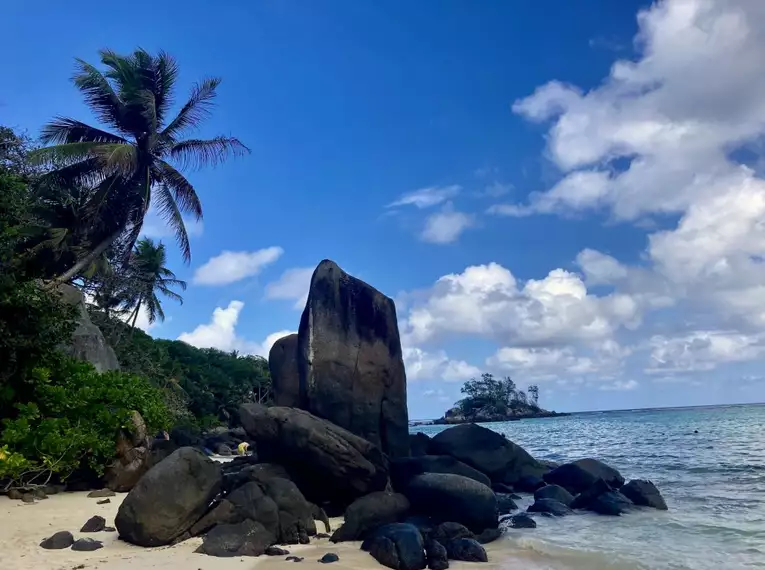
(569, 193)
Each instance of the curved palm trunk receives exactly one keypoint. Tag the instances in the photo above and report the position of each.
(135, 317)
(84, 262)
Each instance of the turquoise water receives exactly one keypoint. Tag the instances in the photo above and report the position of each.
(713, 482)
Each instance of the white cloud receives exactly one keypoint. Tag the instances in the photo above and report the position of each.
(232, 266)
(599, 268)
(220, 333)
(446, 226)
(293, 284)
(155, 227)
(702, 350)
(621, 385)
(422, 365)
(426, 197)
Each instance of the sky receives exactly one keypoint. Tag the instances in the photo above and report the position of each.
(568, 193)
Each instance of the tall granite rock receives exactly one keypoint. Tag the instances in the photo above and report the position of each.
(349, 359)
(88, 342)
(283, 366)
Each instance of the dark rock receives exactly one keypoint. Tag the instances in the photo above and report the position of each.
(296, 521)
(329, 558)
(405, 468)
(583, 499)
(322, 535)
(283, 365)
(453, 498)
(247, 538)
(132, 457)
(369, 512)
(15, 494)
(448, 531)
(110, 529)
(555, 492)
(58, 541)
(248, 502)
(505, 504)
(28, 498)
(53, 489)
(424, 524)
(87, 341)
(39, 494)
(101, 493)
(169, 499)
(161, 449)
(467, 550)
(295, 558)
(185, 437)
(260, 473)
(399, 546)
(579, 475)
(644, 493)
(419, 444)
(612, 503)
(488, 452)
(550, 506)
(328, 463)
(529, 483)
(489, 535)
(502, 488)
(94, 524)
(276, 551)
(522, 520)
(436, 555)
(104, 502)
(223, 450)
(87, 545)
(320, 515)
(350, 362)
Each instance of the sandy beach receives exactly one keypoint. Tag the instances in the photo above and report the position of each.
(23, 526)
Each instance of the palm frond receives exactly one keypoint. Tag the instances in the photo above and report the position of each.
(169, 211)
(64, 154)
(165, 74)
(63, 130)
(196, 109)
(166, 283)
(197, 153)
(172, 294)
(99, 95)
(184, 193)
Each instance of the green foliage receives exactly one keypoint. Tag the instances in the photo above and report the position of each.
(74, 414)
(492, 397)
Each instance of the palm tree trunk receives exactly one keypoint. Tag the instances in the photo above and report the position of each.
(135, 316)
(84, 262)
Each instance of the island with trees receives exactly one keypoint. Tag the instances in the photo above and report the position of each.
(488, 399)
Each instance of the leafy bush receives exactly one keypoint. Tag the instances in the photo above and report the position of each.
(73, 416)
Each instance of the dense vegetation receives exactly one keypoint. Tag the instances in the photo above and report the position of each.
(72, 212)
(490, 399)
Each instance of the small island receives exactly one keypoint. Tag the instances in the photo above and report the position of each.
(490, 400)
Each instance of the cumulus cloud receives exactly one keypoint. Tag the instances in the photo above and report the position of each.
(423, 365)
(231, 266)
(702, 350)
(221, 333)
(446, 226)
(292, 285)
(426, 197)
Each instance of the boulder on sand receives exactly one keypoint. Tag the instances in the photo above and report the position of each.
(404, 468)
(283, 366)
(370, 512)
(350, 361)
(455, 498)
(169, 498)
(580, 475)
(328, 463)
(398, 546)
(489, 452)
(436, 554)
(644, 494)
(467, 550)
(58, 541)
(419, 444)
(247, 538)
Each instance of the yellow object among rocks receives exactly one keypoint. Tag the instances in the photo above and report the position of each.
(242, 447)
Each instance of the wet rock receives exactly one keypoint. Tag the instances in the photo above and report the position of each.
(367, 513)
(276, 551)
(467, 550)
(169, 499)
(294, 558)
(350, 362)
(580, 475)
(448, 531)
(247, 538)
(586, 497)
(612, 503)
(555, 492)
(550, 506)
(28, 498)
(644, 494)
(399, 546)
(505, 504)
(419, 444)
(529, 483)
(522, 520)
(489, 535)
(104, 502)
(87, 545)
(94, 524)
(437, 558)
(402, 470)
(58, 541)
(101, 493)
(329, 558)
(502, 488)
(488, 452)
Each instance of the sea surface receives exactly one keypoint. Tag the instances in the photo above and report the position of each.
(713, 482)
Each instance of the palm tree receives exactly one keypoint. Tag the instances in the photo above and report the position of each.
(149, 276)
(140, 162)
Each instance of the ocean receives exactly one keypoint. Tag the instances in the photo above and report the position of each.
(713, 482)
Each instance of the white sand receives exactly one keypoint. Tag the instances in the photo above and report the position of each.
(23, 526)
